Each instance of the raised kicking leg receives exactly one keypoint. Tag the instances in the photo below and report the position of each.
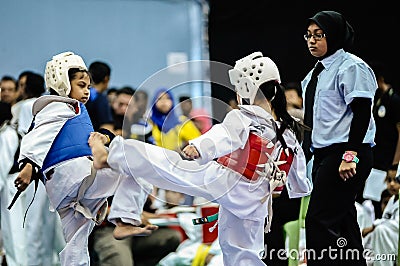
(100, 154)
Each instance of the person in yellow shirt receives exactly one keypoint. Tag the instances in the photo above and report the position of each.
(169, 130)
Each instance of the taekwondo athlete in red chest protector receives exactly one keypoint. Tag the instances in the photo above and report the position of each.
(256, 150)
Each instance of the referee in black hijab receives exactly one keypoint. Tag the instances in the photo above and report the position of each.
(338, 107)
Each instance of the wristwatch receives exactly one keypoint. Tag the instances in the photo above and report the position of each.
(349, 157)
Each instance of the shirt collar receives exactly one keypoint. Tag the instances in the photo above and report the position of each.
(328, 61)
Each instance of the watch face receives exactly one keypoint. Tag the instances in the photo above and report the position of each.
(348, 157)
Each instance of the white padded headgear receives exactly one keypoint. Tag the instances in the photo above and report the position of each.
(250, 72)
(56, 73)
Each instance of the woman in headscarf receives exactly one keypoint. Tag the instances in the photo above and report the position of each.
(338, 96)
(169, 131)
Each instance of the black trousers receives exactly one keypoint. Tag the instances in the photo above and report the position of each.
(332, 233)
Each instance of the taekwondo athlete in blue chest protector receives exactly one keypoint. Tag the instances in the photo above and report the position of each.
(56, 151)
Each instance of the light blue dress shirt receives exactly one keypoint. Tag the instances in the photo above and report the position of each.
(345, 77)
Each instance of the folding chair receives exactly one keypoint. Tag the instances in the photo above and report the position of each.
(292, 232)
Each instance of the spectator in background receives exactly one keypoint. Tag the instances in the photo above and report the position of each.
(382, 238)
(385, 197)
(141, 98)
(140, 127)
(15, 245)
(386, 111)
(9, 93)
(98, 107)
(338, 107)
(294, 101)
(293, 95)
(111, 95)
(120, 105)
(30, 86)
(202, 119)
(186, 105)
(170, 131)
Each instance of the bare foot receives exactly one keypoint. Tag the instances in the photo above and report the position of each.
(124, 230)
(100, 154)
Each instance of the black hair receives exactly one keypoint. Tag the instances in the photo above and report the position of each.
(35, 86)
(9, 78)
(126, 90)
(184, 98)
(380, 70)
(73, 71)
(71, 75)
(111, 90)
(24, 73)
(293, 85)
(274, 92)
(385, 194)
(5, 112)
(99, 71)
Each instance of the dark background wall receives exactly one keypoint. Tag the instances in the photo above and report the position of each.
(276, 28)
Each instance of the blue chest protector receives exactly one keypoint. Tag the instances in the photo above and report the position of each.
(72, 140)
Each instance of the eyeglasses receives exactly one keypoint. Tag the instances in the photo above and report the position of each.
(317, 36)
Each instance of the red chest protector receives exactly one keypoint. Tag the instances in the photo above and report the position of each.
(245, 161)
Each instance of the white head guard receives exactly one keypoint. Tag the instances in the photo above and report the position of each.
(250, 72)
(56, 73)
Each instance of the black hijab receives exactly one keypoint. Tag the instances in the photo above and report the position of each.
(339, 33)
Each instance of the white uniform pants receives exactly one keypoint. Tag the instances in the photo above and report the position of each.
(76, 227)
